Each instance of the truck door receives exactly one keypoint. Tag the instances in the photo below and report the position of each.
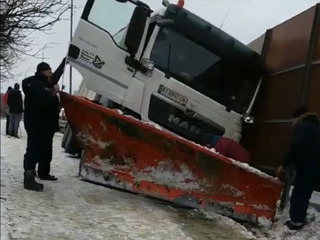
(102, 53)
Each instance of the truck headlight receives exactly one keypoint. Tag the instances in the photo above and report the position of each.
(247, 118)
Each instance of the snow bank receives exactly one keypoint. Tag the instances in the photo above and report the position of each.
(278, 230)
(4, 219)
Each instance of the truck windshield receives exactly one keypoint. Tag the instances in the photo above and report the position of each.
(203, 70)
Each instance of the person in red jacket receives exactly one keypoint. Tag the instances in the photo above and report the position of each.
(4, 100)
(226, 147)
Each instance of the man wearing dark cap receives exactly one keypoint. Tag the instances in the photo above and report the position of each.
(304, 155)
(15, 109)
(41, 120)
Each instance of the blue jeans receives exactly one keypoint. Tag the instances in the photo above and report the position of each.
(14, 123)
(7, 124)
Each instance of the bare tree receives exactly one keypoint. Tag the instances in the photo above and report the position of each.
(18, 20)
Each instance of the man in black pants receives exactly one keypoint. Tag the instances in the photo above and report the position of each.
(41, 120)
(15, 104)
(304, 155)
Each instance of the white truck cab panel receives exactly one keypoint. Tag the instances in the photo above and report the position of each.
(169, 67)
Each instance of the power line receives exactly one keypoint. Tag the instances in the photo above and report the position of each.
(224, 18)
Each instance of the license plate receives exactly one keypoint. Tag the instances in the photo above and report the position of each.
(178, 98)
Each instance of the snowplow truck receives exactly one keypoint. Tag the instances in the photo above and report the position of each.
(185, 76)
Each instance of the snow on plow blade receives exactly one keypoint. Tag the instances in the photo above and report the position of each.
(125, 153)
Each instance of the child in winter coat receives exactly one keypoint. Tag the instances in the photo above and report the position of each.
(226, 147)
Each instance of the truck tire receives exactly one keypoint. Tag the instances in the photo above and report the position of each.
(65, 134)
(81, 164)
(69, 143)
(72, 147)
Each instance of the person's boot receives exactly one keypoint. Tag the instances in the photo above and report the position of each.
(295, 225)
(48, 177)
(29, 182)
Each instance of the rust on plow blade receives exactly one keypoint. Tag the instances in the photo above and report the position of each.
(125, 153)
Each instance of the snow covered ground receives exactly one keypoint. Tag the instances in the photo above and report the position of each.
(73, 209)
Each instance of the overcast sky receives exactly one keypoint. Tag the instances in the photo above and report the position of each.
(246, 20)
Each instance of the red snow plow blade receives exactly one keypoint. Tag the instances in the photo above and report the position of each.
(125, 153)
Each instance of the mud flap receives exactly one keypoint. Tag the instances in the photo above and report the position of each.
(125, 153)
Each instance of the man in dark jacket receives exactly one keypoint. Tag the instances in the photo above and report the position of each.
(15, 109)
(41, 119)
(304, 155)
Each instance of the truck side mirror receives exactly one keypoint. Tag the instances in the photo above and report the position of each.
(136, 29)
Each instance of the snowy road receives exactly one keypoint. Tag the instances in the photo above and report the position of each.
(73, 209)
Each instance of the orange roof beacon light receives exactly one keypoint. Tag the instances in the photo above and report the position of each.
(166, 3)
(180, 3)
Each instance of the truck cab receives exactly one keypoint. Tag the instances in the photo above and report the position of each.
(168, 66)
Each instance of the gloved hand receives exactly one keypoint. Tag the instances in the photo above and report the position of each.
(64, 61)
(279, 171)
(55, 89)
